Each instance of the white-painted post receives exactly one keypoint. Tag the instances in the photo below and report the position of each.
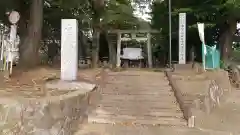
(149, 49)
(69, 49)
(118, 50)
(204, 49)
(11, 48)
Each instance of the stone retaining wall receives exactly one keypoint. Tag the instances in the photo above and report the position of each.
(234, 75)
(55, 115)
(178, 95)
(203, 103)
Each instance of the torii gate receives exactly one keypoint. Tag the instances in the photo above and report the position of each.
(134, 33)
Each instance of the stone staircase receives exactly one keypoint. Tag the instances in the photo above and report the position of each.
(137, 98)
(138, 103)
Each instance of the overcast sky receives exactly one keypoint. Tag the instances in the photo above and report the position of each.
(143, 13)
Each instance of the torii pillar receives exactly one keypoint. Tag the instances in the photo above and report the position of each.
(118, 49)
(149, 50)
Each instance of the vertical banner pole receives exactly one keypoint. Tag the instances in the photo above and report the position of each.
(201, 36)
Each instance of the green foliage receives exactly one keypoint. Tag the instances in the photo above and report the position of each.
(59, 9)
(113, 14)
(118, 14)
(232, 8)
(215, 14)
(223, 65)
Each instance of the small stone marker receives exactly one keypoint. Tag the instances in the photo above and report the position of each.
(69, 49)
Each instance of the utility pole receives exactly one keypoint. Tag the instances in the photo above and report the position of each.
(170, 32)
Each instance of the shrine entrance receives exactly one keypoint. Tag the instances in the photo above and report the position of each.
(129, 53)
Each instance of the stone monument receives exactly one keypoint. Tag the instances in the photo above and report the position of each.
(69, 49)
(182, 39)
(69, 59)
(79, 93)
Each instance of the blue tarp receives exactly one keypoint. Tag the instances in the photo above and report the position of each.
(211, 57)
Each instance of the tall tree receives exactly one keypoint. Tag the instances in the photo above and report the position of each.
(112, 14)
(97, 8)
(219, 16)
(230, 17)
(118, 14)
(29, 55)
(99, 14)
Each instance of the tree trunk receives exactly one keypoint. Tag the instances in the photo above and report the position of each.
(226, 40)
(226, 46)
(112, 52)
(23, 22)
(82, 52)
(98, 8)
(29, 48)
(95, 49)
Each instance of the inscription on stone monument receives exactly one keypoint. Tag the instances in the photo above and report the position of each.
(69, 49)
(182, 38)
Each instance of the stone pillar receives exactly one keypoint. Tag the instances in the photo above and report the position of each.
(149, 50)
(118, 50)
(69, 49)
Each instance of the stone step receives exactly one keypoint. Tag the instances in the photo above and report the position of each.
(164, 113)
(137, 93)
(137, 103)
(142, 89)
(136, 74)
(140, 101)
(141, 109)
(158, 80)
(114, 97)
(139, 98)
(127, 119)
(138, 90)
(139, 79)
(108, 129)
(148, 84)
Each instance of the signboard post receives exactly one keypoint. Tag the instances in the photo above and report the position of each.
(182, 39)
(69, 49)
(13, 17)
